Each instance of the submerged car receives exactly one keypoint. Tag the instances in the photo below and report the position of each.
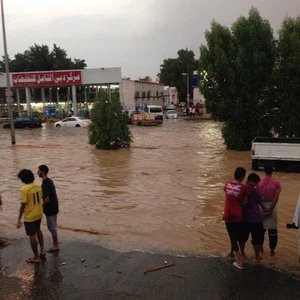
(23, 122)
(73, 122)
(171, 114)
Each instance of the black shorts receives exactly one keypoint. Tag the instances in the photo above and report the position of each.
(235, 232)
(32, 228)
(256, 230)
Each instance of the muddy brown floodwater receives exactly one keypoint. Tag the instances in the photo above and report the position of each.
(165, 193)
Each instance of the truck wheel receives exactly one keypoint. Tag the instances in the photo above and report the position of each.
(254, 165)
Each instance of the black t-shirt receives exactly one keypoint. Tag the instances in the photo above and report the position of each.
(51, 208)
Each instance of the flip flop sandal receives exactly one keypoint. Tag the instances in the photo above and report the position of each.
(51, 250)
(235, 264)
(30, 261)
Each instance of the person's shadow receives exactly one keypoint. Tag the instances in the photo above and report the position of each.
(47, 282)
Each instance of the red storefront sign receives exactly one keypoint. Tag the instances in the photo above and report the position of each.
(46, 78)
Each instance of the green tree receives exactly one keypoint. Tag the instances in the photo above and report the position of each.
(172, 68)
(40, 58)
(109, 129)
(288, 77)
(236, 78)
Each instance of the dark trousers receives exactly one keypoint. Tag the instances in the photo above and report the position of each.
(273, 238)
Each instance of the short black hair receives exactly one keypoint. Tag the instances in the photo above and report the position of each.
(268, 169)
(44, 169)
(239, 173)
(253, 177)
(26, 176)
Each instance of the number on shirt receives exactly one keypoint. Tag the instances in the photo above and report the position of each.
(36, 198)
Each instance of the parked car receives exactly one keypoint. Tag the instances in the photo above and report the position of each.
(171, 114)
(73, 122)
(182, 104)
(170, 107)
(23, 122)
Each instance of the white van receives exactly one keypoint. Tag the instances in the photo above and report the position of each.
(157, 111)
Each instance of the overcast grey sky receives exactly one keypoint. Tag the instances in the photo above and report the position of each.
(133, 34)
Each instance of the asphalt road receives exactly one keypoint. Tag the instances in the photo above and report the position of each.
(85, 271)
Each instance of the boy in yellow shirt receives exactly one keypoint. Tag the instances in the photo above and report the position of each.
(32, 208)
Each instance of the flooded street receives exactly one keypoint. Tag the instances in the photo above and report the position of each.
(165, 193)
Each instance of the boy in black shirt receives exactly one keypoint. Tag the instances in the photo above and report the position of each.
(50, 205)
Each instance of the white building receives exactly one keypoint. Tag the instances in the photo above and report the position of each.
(136, 92)
(171, 95)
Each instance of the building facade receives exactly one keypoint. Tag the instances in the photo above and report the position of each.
(138, 91)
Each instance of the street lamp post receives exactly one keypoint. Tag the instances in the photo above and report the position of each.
(187, 88)
(9, 99)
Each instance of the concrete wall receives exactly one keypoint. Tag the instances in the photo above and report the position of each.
(174, 95)
(127, 92)
(101, 76)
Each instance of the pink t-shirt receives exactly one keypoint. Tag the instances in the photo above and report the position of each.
(269, 187)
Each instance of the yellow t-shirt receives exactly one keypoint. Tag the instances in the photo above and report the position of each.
(32, 197)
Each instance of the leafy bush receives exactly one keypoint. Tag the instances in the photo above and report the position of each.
(109, 129)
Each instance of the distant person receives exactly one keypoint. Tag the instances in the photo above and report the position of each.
(236, 195)
(270, 189)
(252, 216)
(187, 111)
(32, 208)
(50, 205)
(193, 112)
(296, 223)
(2, 241)
(201, 111)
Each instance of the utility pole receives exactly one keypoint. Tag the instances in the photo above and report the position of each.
(9, 99)
(187, 88)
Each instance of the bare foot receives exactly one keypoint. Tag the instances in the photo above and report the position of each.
(257, 259)
(33, 260)
(272, 252)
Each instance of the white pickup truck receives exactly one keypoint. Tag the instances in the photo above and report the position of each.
(282, 153)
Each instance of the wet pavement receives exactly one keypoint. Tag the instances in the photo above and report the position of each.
(107, 274)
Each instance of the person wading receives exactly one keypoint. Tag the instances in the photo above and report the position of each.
(50, 205)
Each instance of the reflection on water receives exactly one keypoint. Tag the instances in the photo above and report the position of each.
(163, 194)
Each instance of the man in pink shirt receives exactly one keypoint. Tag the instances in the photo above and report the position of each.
(270, 189)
